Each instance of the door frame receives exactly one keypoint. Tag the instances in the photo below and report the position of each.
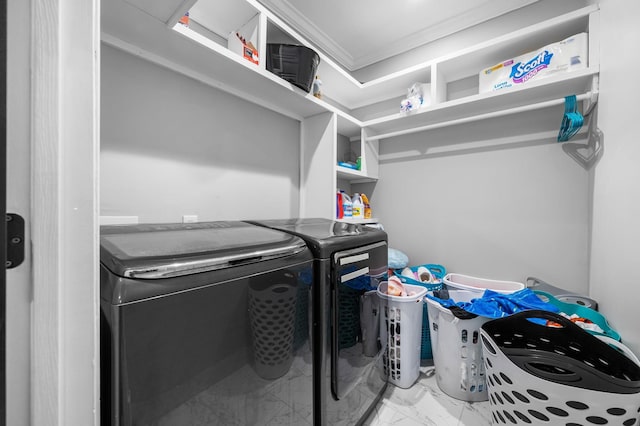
(63, 222)
(3, 209)
(18, 279)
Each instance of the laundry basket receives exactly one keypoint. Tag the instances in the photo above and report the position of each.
(582, 312)
(400, 332)
(479, 285)
(541, 375)
(439, 272)
(457, 351)
(272, 314)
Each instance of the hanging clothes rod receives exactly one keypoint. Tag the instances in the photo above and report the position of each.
(589, 96)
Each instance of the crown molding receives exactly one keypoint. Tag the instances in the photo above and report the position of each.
(482, 13)
(292, 16)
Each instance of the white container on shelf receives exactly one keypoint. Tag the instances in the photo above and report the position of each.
(358, 207)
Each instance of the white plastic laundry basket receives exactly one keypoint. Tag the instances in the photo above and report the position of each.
(562, 375)
(457, 350)
(479, 285)
(401, 333)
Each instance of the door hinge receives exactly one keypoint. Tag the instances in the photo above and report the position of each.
(15, 240)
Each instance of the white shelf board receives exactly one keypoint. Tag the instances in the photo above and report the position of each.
(577, 82)
(359, 220)
(189, 53)
(358, 95)
(341, 86)
(355, 176)
(127, 27)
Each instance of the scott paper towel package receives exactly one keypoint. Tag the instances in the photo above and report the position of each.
(564, 56)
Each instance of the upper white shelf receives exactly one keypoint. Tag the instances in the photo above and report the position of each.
(480, 105)
(148, 28)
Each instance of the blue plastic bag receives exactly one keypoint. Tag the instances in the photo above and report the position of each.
(497, 305)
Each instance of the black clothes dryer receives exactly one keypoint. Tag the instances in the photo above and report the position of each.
(205, 324)
(349, 262)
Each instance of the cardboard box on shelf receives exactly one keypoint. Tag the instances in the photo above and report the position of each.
(245, 46)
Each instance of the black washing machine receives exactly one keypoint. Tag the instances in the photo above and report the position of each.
(205, 324)
(349, 262)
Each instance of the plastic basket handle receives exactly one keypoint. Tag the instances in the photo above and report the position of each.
(561, 368)
(618, 345)
(488, 343)
(552, 367)
(542, 314)
(438, 270)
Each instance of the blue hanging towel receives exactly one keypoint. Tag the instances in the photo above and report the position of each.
(572, 120)
(498, 305)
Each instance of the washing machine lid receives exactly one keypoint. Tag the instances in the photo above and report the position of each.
(324, 236)
(154, 251)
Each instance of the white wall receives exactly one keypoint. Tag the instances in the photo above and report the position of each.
(172, 146)
(497, 199)
(615, 276)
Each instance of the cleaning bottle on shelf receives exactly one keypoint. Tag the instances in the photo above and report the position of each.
(367, 206)
(317, 84)
(358, 207)
(347, 205)
(339, 206)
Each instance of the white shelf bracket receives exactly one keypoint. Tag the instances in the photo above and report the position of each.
(592, 100)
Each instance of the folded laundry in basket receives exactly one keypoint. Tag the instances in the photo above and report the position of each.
(498, 305)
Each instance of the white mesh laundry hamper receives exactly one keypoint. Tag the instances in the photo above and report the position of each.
(401, 333)
(457, 350)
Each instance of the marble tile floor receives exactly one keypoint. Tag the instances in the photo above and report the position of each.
(425, 404)
(243, 399)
